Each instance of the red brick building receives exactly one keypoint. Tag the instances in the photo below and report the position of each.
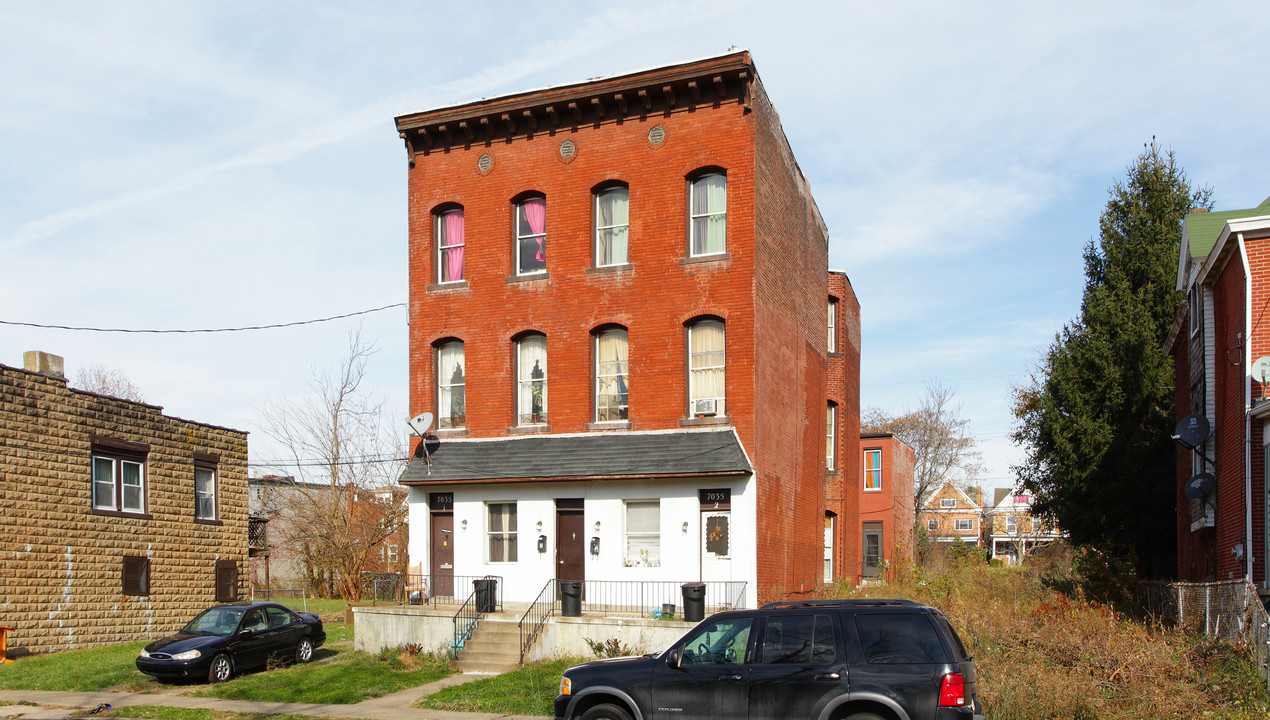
(886, 503)
(618, 310)
(1220, 344)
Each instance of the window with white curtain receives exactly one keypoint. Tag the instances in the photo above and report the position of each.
(833, 325)
(451, 401)
(204, 493)
(502, 532)
(612, 226)
(531, 236)
(705, 368)
(611, 368)
(831, 433)
(643, 533)
(531, 380)
(450, 246)
(708, 215)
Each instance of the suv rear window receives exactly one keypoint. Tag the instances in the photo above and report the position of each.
(799, 640)
(899, 638)
(958, 647)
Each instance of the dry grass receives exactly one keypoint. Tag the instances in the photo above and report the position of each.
(1041, 654)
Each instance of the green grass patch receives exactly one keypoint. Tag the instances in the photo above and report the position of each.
(341, 676)
(83, 670)
(530, 690)
(323, 607)
(158, 712)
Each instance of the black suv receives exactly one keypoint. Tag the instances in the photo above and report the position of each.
(816, 660)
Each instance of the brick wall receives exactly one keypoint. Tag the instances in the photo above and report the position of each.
(62, 585)
(893, 504)
(842, 486)
(1228, 423)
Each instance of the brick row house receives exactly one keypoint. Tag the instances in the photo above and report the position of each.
(119, 522)
(619, 295)
(1220, 345)
(886, 504)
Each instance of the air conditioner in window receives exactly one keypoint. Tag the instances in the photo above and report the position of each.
(705, 406)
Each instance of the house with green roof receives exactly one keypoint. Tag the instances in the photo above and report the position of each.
(1220, 343)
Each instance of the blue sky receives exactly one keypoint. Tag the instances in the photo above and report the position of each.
(223, 164)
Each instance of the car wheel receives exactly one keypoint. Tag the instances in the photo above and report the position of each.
(221, 670)
(606, 711)
(304, 650)
(865, 716)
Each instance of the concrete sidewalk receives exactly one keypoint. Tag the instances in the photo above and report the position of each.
(397, 706)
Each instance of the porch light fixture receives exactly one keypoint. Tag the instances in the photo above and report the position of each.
(463, 525)
(539, 526)
(685, 527)
(597, 525)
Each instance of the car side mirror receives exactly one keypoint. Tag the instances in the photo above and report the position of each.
(244, 633)
(674, 656)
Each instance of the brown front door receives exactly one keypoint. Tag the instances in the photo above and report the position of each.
(442, 554)
(570, 540)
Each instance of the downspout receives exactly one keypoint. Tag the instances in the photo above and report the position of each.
(1247, 360)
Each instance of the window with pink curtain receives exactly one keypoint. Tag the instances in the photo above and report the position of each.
(450, 246)
(531, 236)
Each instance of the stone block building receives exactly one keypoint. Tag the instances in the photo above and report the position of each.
(119, 522)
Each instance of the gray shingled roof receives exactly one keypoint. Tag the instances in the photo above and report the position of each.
(598, 455)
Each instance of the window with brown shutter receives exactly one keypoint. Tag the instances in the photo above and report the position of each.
(226, 580)
(136, 576)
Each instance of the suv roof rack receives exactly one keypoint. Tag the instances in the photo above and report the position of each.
(857, 602)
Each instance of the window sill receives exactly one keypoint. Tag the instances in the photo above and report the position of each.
(451, 432)
(208, 521)
(121, 513)
(610, 269)
(528, 429)
(694, 259)
(447, 287)
(514, 279)
(618, 425)
(877, 489)
(834, 354)
(832, 472)
(693, 422)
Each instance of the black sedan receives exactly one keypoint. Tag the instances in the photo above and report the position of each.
(226, 639)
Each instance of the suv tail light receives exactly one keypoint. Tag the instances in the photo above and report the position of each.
(952, 693)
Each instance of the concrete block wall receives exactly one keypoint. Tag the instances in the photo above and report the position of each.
(61, 584)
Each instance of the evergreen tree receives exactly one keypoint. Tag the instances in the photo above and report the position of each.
(1097, 418)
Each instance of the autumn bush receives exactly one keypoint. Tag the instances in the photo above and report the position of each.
(1043, 653)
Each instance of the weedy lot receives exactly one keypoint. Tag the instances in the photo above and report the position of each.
(1040, 654)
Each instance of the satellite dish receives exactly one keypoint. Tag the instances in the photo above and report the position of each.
(1261, 370)
(1192, 431)
(1201, 485)
(419, 424)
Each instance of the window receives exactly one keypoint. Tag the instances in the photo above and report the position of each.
(643, 533)
(932, 525)
(708, 216)
(1011, 524)
(612, 226)
(204, 492)
(226, 580)
(531, 380)
(392, 554)
(611, 368)
(705, 368)
(722, 642)
(899, 638)
(531, 236)
(948, 503)
(280, 617)
(451, 402)
(798, 640)
(502, 532)
(450, 245)
(136, 575)
(119, 483)
(831, 427)
(872, 469)
(964, 524)
(833, 325)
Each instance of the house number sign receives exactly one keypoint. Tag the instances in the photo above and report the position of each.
(720, 499)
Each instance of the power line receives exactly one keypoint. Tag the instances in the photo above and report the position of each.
(202, 330)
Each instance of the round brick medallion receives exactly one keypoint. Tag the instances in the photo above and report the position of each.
(657, 135)
(485, 162)
(567, 150)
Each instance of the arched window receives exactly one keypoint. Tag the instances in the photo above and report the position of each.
(451, 398)
(706, 368)
(531, 380)
(612, 368)
(708, 215)
(612, 225)
(450, 245)
(531, 236)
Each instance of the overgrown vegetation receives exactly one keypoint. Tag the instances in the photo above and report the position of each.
(609, 648)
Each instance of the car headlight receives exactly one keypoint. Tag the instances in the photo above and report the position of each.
(144, 654)
(566, 687)
(187, 655)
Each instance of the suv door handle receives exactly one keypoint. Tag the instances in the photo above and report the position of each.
(731, 677)
(829, 676)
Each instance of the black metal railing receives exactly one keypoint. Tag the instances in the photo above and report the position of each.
(532, 622)
(486, 597)
(440, 589)
(655, 597)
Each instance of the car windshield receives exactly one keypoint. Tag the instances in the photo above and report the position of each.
(214, 621)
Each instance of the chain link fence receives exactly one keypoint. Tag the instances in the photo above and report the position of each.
(1231, 611)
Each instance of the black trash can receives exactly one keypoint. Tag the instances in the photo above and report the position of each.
(486, 594)
(570, 598)
(694, 601)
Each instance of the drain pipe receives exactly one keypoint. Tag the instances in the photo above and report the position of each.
(1247, 360)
